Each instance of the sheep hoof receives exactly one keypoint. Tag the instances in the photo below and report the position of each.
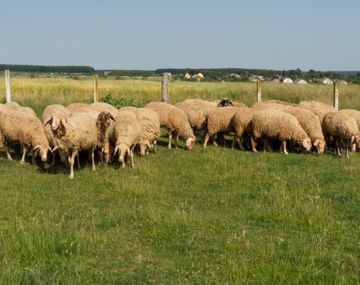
(71, 176)
(169, 146)
(21, 162)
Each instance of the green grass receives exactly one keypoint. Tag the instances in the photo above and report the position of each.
(214, 216)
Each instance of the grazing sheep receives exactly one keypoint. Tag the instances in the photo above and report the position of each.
(150, 127)
(104, 107)
(57, 111)
(20, 126)
(127, 131)
(356, 115)
(203, 106)
(219, 121)
(318, 108)
(79, 108)
(343, 129)
(175, 121)
(241, 121)
(75, 133)
(308, 121)
(278, 125)
(195, 116)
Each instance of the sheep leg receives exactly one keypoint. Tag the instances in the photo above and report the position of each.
(8, 155)
(33, 161)
(93, 160)
(267, 146)
(283, 143)
(24, 150)
(207, 136)
(338, 152)
(53, 159)
(347, 152)
(71, 160)
(154, 146)
(176, 141)
(78, 160)
(214, 141)
(132, 157)
(170, 137)
(253, 144)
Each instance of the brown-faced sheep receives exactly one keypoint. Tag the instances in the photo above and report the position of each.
(175, 121)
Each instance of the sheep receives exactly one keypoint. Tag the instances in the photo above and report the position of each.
(356, 115)
(150, 127)
(175, 121)
(54, 111)
(219, 121)
(127, 131)
(21, 126)
(308, 121)
(75, 133)
(105, 124)
(318, 108)
(80, 108)
(104, 107)
(343, 129)
(277, 124)
(240, 122)
(195, 116)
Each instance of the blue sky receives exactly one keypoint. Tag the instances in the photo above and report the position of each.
(317, 34)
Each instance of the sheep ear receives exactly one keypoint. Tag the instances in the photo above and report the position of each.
(63, 121)
(112, 118)
(116, 150)
(48, 121)
(352, 139)
(55, 148)
(36, 148)
(316, 142)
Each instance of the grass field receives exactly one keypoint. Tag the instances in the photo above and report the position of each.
(214, 216)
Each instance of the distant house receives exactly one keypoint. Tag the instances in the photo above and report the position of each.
(255, 78)
(187, 76)
(301, 82)
(236, 76)
(287, 80)
(343, 82)
(327, 81)
(198, 77)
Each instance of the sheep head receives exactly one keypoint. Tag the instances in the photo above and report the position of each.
(43, 151)
(190, 142)
(56, 123)
(123, 149)
(320, 145)
(306, 143)
(104, 119)
(225, 102)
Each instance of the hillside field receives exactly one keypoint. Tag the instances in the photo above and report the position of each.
(206, 216)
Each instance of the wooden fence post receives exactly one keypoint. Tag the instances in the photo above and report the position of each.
(7, 85)
(259, 90)
(336, 95)
(164, 87)
(96, 88)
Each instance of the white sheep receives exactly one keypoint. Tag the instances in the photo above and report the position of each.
(175, 121)
(56, 111)
(318, 108)
(127, 131)
(219, 121)
(342, 128)
(150, 127)
(80, 108)
(195, 116)
(307, 119)
(356, 115)
(275, 124)
(21, 126)
(75, 133)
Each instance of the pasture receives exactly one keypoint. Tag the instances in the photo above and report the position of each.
(208, 216)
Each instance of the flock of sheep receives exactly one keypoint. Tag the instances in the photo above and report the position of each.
(100, 128)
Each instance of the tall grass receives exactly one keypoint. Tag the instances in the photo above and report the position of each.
(39, 92)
